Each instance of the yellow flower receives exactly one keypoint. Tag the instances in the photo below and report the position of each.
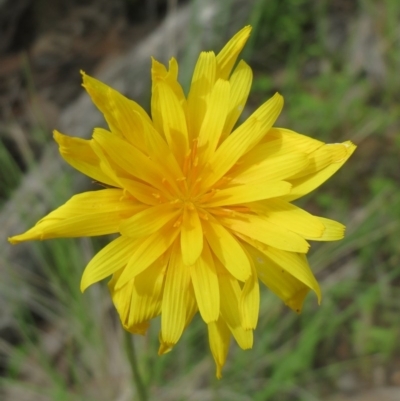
(202, 208)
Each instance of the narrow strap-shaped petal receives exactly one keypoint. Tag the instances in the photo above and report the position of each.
(249, 302)
(276, 143)
(147, 292)
(174, 122)
(191, 237)
(249, 193)
(320, 159)
(204, 77)
(84, 215)
(121, 298)
(191, 310)
(160, 153)
(240, 83)
(262, 230)
(205, 285)
(244, 138)
(271, 169)
(80, 155)
(177, 283)
(146, 252)
(115, 107)
(295, 264)
(333, 230)
(157, 69)
(219, 337)
(308, 183)
(291, 141)
(149, 221)
(214, 120)
(170, 77)
(142, 192)
(227, 249)
(287, 287)
(160, 74)
(129, 159)
(110, 259)
(138, 328)
(191, 305)
(291, 217)
(229, 290)
(226, 58)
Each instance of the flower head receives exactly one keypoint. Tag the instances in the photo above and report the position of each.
(203, 209)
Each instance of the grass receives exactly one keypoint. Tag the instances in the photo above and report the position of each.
(68, 346)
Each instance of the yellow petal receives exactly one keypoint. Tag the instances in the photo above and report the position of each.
(226, 58)
(240, 83)
(157, 69)
(174, 300)
(110, 259)
(219, 338)
(249, 302)
(87, 214)
(121, 298)
(321, 158)
(244, 138)
(204, 77)
(191, 237)
(290, 141)
(80, 155)
(205, 285)
(191, 310)
(159, 73)
(295, 264)
(227, 249)
(147, 250)
(160, 153)
(276, 143)
(131, 160)
(270, 169)
(116, 108)
(230, 294)
(149, 221)
(147, 289)
(333, 230)
(287, 287)
(139, 328)
(174, 121)
(214, 119)
(164, 348)
(261, 229)
(289, 216)
(249, 193)
(142, 192)
(107, 166)
(339, 153)
(191, 305)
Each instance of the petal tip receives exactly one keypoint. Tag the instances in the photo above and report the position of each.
(84, 285)
(165, 348)
(58, 136)
(13, 240)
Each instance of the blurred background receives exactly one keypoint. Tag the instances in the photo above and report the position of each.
(337, 64)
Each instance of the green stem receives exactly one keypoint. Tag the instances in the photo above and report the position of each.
(137, 378)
